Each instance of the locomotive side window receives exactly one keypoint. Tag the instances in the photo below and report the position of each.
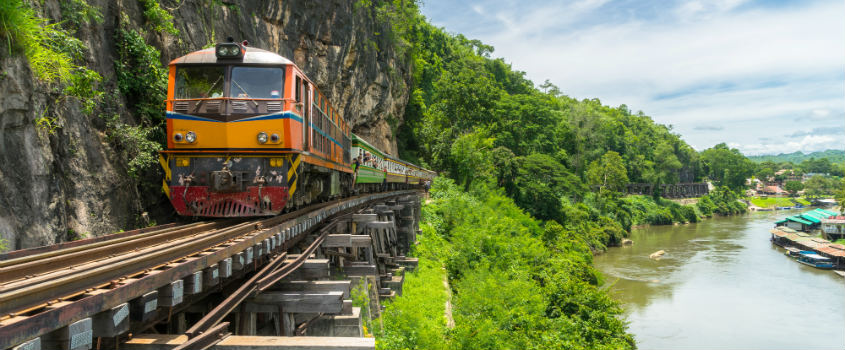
(298, 89)
(257, 82)
(199, 82)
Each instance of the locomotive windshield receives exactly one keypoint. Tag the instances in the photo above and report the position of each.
(257, 82)
(199, 82)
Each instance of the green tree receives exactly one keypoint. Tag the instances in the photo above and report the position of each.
(471, 158)
(727, 166)
(666, 163)
(818, 186)
(765, 173)
(608, 174)
(840, 195)
(793, 187)
(540, 184)
(820, 166)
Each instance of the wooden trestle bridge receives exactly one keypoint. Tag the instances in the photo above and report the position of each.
(278, 283)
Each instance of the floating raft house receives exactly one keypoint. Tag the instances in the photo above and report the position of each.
(806, 221)
(787, 237)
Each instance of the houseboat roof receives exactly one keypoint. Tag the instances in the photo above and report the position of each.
(811, 217)
(814, 256)
(798, 219)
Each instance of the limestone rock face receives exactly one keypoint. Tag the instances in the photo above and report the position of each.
(59, 176)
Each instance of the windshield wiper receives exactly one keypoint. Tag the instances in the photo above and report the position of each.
(197, 107)
(244, 91)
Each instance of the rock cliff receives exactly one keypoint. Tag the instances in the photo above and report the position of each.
(60, 177)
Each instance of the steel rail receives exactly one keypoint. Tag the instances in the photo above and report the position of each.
(101, 288)
(206, 339)
(259, 282)
(33, 295)
(284, 271)
(48, 253)
(28, 294)
(256, 284)
(47, 248)
(230, 303)
(62, 259)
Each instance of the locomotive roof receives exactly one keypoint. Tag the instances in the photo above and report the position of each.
(251, 56)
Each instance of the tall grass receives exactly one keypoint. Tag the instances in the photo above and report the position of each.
(25, 32)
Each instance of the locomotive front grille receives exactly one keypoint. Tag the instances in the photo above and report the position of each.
(226, 208)
(274, 106)
(181, 106)
(239, 106)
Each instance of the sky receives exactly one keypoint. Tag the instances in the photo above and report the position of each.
(765, 77)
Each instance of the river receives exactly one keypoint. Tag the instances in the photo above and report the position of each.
(723, 284)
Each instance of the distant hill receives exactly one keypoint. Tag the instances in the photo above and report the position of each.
(835, 156)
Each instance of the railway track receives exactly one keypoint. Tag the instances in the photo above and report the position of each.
(46, 288)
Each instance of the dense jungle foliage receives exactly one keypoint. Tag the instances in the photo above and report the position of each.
(532, 183)
(478, 121)
(516, 283)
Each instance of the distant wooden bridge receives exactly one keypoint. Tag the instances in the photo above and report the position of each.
(679, 190)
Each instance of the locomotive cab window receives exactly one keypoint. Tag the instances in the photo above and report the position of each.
(298, 88)
(257, 82)
(199, 82)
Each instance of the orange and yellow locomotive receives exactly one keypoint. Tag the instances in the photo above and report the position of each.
(249, 134)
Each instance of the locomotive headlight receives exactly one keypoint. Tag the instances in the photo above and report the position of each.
(262, 137)
(228, 50)
(178, 137)
(274, 138)
(191, 137)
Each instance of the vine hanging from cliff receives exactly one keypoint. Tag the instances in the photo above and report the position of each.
(54, 55)
(140, 76)
(143, 82)
(158, 19)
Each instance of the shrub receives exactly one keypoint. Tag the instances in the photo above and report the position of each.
(158, 19)
(134, 143)
(517, 284)
(140, 75)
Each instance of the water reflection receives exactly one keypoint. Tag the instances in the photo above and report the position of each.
(722, 284)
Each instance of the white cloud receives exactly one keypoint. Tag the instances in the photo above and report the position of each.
(689, 10)
(759, 72)
(810, 143)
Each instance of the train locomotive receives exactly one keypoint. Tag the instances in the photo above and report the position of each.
(248, 134)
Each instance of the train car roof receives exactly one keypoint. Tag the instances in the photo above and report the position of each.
(385, 155)
(356, 138)
(251, 56)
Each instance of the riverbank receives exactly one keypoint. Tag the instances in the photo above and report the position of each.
(518, 283)
(775, 203)
(786, 237)
(719, 285)
(646, 210)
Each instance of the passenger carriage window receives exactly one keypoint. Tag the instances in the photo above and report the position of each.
(257, 82)
(199, 82)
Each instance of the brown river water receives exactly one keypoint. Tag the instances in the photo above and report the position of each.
(723, 285)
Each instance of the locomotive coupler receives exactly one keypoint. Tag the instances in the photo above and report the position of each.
(225, 180)
(188, 180)
(260, 181)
